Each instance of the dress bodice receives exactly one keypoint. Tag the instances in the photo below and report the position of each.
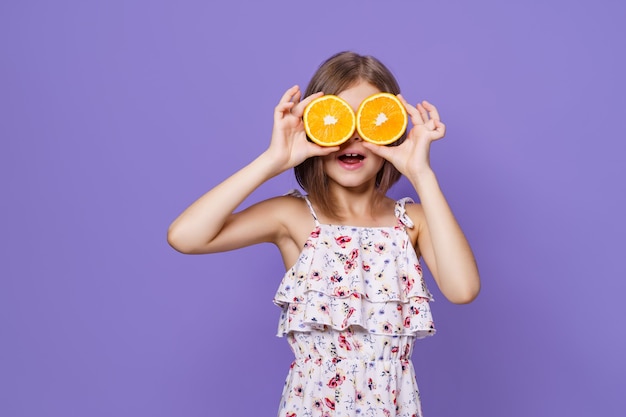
(368, 277)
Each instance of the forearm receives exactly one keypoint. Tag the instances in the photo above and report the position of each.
(202, 221)
(455, 266)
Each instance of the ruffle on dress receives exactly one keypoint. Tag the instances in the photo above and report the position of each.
(357, 276)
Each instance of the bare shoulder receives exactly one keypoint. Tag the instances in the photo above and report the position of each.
(415, 211)
(290, 211)
(286, 205)
(282, 210)
(296, 221)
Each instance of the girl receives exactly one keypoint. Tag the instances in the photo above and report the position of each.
(353, 299)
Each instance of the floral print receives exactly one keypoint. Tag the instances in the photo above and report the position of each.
(352, 307)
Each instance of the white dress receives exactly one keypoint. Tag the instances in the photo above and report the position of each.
(352, 307)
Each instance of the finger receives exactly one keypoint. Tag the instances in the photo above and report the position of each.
(380, 150)
(432, 110)
(414, 114)
(289, 94)
(298, 110)
(423, 112)
(439, 126)
(297, 97)
(282, 108)
(317, 150)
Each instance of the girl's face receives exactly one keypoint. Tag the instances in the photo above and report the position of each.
(353, 165)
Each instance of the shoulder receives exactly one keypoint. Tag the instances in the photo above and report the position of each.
(296, 224)
(289, 210)
(415, 212)
(282, 207)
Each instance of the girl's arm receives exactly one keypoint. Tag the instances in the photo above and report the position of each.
(210, 224)
(440, 239)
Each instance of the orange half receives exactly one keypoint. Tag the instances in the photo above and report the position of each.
(329, 120)
(381, 119)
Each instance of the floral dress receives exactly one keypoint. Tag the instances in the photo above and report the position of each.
(352, 307)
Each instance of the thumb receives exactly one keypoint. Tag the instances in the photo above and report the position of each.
(382, 151)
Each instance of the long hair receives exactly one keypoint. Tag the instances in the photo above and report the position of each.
(338, 73)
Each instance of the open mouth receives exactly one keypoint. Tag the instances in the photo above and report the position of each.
(351, 158)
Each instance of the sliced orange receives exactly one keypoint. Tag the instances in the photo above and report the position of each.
(329, 120)
(381, 119)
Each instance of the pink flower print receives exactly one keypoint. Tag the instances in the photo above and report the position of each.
(386, 412)
(350, 264)
(359, 397)
(370, 384)
(366, 267)
(317, 404)
(316, 232)
(342, 240)
(323, 308)
(351, 311)
(335, 277)
(335, 381)
(357, 345)
(407, 321)
(341, 291)
(290, 414)
(315, 275)
(407, 350)
(384, 233)
(380, 247)
(408, 283)
(343, 342)
(387, 327)
(298, 391)
(418, 268)
(329, 403)
(395, 349)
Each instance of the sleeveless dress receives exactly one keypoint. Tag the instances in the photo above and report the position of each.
(352, 307)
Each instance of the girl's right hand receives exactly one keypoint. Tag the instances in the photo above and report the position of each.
(289, 146)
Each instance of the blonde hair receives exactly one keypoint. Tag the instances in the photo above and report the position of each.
(338, 73)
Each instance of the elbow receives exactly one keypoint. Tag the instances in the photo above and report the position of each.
(466, 294)
(464, 298)
(177, 242)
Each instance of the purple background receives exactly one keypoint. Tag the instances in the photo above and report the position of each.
(115, 115)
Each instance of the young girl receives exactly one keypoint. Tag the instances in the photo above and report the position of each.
(353, 299)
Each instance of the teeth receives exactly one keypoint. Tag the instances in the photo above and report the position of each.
(352, 155)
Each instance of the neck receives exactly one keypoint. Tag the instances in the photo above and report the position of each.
(354, 203)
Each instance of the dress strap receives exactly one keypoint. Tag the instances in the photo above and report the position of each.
(400, 212)
(296, 193)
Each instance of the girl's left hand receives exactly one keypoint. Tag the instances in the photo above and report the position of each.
(412, 157)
